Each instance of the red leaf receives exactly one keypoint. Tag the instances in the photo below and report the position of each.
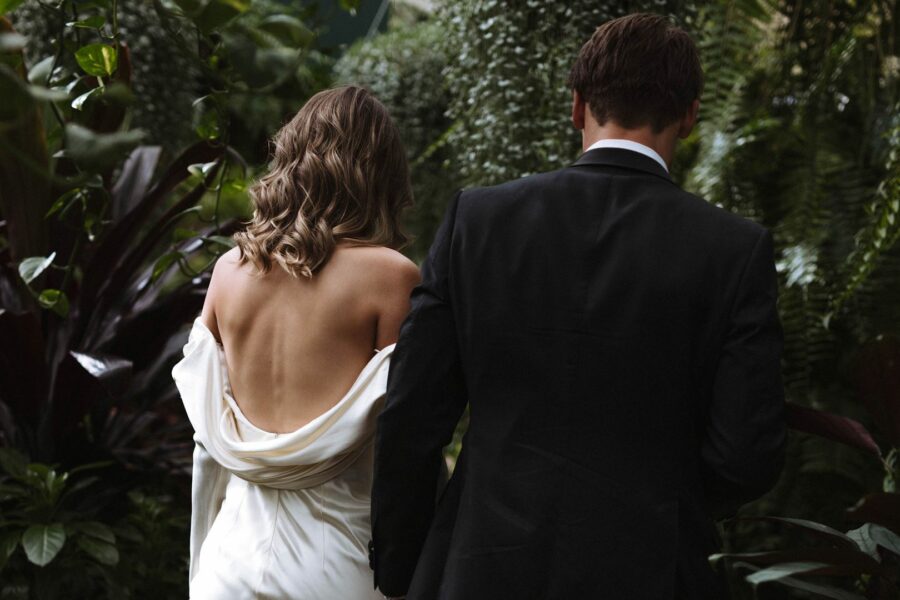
(833, 427)
(879, 385)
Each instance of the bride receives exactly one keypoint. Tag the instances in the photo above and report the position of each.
(285, 369)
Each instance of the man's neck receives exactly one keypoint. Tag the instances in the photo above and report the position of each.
(663, 143)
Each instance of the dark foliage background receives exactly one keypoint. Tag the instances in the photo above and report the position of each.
(129, 133)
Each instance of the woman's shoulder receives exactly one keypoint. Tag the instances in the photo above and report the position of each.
(378, 263)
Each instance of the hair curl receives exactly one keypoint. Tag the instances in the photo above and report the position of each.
(339, 172)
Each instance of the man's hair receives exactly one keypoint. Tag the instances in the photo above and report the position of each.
(638, 70)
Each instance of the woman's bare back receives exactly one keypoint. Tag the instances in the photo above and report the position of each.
(295, 346)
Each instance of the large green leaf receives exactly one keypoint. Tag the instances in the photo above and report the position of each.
(43, 542)
(99, 60)
(99, 150)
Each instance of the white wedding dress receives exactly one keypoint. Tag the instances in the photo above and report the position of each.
(278, 515)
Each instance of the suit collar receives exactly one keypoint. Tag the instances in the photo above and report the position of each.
(620, 157)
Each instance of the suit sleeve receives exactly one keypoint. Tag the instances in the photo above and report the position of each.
(425, 399)
(743, 448)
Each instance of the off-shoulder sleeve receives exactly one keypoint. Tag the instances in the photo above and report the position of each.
(208, 482)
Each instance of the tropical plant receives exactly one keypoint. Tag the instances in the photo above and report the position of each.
(63, 534)
(105, 245)
(869, 556)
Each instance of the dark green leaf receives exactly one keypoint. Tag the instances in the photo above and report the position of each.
(217, 13)
(94, 22)
(30, 268)
(103, 552)
(65, 201)
(289, 30)
(13, 462)
(162, 265)
(97, 530)
(180, 234)
(99, 150)
(43, 542)
(9, 540)
(221, 240)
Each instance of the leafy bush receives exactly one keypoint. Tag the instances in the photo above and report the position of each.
(63, 534)
(509, 102)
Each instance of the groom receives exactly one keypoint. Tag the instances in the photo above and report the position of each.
(617, 342)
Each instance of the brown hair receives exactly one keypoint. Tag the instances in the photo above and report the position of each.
(638, 70)
(339, 172)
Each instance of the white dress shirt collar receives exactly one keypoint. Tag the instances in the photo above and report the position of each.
(629, 145)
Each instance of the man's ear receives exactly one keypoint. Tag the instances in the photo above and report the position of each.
(577, 110)
(689, 120)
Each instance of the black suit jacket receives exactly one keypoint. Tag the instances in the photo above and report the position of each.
(618, 344)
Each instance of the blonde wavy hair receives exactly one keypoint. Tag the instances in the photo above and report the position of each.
(338, 172)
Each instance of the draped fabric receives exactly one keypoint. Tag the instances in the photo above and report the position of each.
(278, 515)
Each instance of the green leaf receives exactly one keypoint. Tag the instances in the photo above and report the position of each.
(221, 240)
(289, 30)
(162, 265)
(97, 530)
(54, 300)
(78, 103)
(180, 234)
(99, 150)
(30, 268)
(776, 572)
(103, 552)
(65, 201)
(95, 22)
(13, 462)
(9, 541)
(43, 542)
(206, 118)
(40, 72)
(7, 6)
(39, 92)
(217, 13)
(97, 59)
